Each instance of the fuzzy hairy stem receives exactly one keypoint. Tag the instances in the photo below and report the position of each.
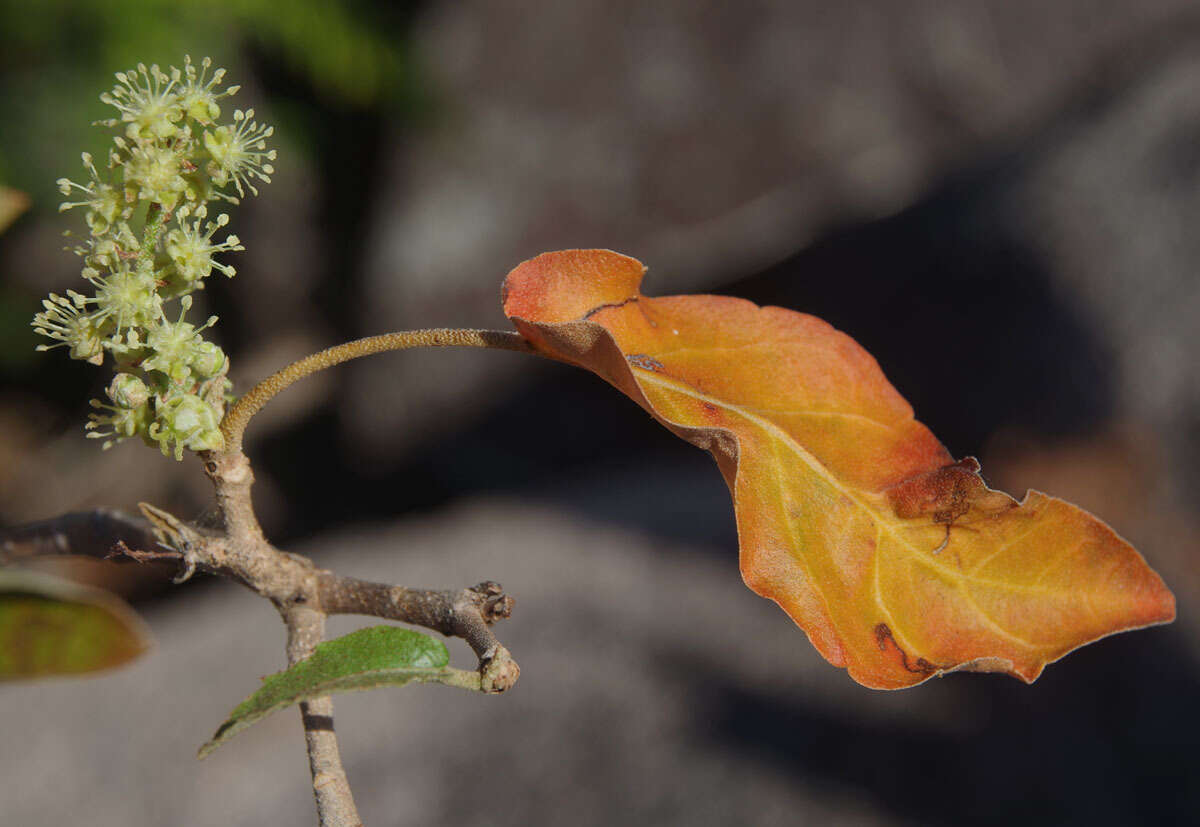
(156, 218)
(235, 421)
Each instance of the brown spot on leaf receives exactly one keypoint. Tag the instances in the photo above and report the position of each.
(599, 307)
(884, 637)
(645, 362)
(946, 493)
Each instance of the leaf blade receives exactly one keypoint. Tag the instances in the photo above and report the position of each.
(369, 658)
(845, 503)
(53, 627)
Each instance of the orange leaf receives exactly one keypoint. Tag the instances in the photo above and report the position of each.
(899, 563)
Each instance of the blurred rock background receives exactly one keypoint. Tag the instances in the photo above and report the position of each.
(998, 199)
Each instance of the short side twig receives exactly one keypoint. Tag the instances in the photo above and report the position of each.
(467, 614)
(89, 533)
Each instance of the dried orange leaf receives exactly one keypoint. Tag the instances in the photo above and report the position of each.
(898, 562)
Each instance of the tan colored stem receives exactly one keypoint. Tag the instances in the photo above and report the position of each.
(90, 533)
(235, 421)
(335, 801)
(467, 613)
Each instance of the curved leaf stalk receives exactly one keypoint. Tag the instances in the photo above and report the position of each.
(236, 419)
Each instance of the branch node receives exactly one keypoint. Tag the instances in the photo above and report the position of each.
(189, 567)
(499, 672)
(490, 599)
(497, 608)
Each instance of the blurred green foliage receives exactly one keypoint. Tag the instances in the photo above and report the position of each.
(56, 56)
(315, 68)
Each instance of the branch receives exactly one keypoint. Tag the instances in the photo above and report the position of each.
(467, 613)
(88, 533)
(303, 594)
(331, 788)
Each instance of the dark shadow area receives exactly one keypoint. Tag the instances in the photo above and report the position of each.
(614, 463)
(1107, 739)
(958, 310)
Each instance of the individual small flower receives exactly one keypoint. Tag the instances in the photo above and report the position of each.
(64, 320)
(191, 249)
(189, 422)
(124, 298)
(156, 174)
(119, 423)
(198, 96)
(127, 391)
(105, 203)
(107, 251)
(148, 102)
(175, 346)
(239, 153)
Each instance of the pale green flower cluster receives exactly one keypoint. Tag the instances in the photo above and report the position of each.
(150, 241)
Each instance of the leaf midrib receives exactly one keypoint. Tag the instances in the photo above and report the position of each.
(962, 580)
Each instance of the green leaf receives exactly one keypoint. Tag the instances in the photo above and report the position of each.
(367, 659)
(50, 626)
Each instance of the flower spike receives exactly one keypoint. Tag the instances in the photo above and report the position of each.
(150, 242)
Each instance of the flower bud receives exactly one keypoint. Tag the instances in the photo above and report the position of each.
(127, 391)
(208, 360)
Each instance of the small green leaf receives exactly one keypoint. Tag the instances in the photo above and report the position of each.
(50, 626)
(367, 659)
